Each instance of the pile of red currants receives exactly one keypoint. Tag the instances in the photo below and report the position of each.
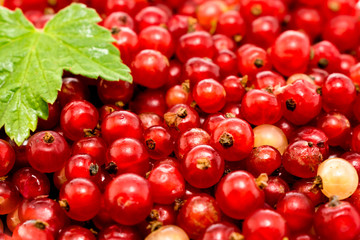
(243, 123)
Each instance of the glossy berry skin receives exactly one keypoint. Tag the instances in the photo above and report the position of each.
(115, 92)
(189, 139)
(32, 229)
(47, 151)
(355, 139)
(209, 95)
(128, 198)
(72, 89)
(220, 231)
(7, 157)
(178, 94)
(275, 190)
(300, 102)
(167, 183)
(253, 9)
(81, 166)
(127, 41)
(252, 60)
(118, 19)
(308, 187)
(234, 87)
(150, 16)
(231, 24)
(93, 146)
(77, 118)
(342, 31)
(119, 232)
(223, 42)
(180, 118)
(335, 85)
(354, 159)
(121, 124)
(76, 232)
(44, 209)
(197, 69)
(150, 69)
(264, 31)
(53, 117)
(337, 220)
(157, 38)
(159, 216)
(10, 197)
(302, 158)
(291, 52)
(268, 80)
(233, 138)
(265, 224)
(314, 135)
(307, 19)
(326, 56)
(80, 198)
(336, 126)
(298, 211)
(239, 186)
(227, 61)
(202, 166)
(150, 100)
(127, 155)
(256, 105)
(263, 159)
(106, 109)
(158, 142)
(31, 183)
(150, 119)
(199, 212)
(195, 44)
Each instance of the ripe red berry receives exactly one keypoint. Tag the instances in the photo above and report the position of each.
(150, 69)
(128, 197)
(76, 232)
(202, 166)
(291, 53)
(32, 229)
(337, 220)
(233, 138)
(7, 157)
(167, 183)
(78, 118)
(47, 151)
(80, 198)
(199, 212)
(239, 186)
(127, 155)
(209, 95)
(158, 142)
(265, 224)
(31, 183)
(121, 124)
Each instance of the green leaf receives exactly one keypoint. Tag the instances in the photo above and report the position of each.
(32, 62)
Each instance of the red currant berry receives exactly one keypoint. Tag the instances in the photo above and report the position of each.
(118, 93)
(157, 38)
(32, 229)
(239, 186)
(78, 118)
(7, 157)
(298, 211)
(76, 232)
(31, 183)
(80, 198)
(150, 69)
(167, 183)
(202, 166)
(337, 220)
(121, 124)
(209, 95)
(47, 151)
(265, 224)
(127, 155)
(128, 197)
(263, 159)
(291, 53)
(158, 142)
(198, 213)
(233, 138)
